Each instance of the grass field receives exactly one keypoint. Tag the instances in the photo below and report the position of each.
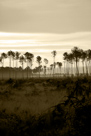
(45, 107)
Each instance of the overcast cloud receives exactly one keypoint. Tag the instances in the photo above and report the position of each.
(50, 16)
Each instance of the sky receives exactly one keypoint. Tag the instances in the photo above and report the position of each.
(41, 26)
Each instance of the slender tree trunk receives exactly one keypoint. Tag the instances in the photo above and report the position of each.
(13, 69)
(16, 71)
(60, 71)
(68, 67)
(27, 69)
(83, 66)
(76, 68)
(10, 67)
(86, 67)
(39, 70)
(54, 67)
(64, 68)
(31, 71)
(22, 72)
(71, 69)
(89, 67)
(2, 69)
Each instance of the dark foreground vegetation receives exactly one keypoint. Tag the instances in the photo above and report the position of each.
(45, 107)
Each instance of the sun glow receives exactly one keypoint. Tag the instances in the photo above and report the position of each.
(44, 42)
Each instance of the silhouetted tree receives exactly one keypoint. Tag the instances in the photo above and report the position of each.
(59, 65)
(17, 54)
(67, 62)
(0, 60)
(71, 61)
(4, 56)
(29, 58)
(11, 55)
(38, 59)
(51, 68)
(22, 60)
(83, 57)
(46, 62)
(76, 55)
(54, 55)
(89, 59)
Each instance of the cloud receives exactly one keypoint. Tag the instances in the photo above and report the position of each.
(50, 16)
(44, 41)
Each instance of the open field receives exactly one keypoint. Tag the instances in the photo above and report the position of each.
(45, 107)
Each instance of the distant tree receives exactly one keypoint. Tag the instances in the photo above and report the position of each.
(3, 56)
(54, 55)
(59, 65)
(45, 67)
(48, 70)
(17, 54)
(44, 70)
(71, 61)
(22, 60)
(64, 67)
(76, 55)
(11, 55)
(89, 59)
(29, 58)
(83, 57)
(65, 57)
(51, 68)
(38, 59)
(86, 62)
(0, 60)
(1, 63)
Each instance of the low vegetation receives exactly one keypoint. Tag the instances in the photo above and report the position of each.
(45, 107)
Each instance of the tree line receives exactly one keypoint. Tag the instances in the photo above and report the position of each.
(75, 59)
(71, 62)
(28, 58)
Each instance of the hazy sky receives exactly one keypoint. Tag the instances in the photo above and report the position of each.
(40, 26)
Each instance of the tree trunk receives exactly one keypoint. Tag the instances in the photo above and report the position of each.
(16, 71)
(77, 72)
(71, 69)
(54, 67)
(22, 72)
(13, 69)
(86, 67)
(39, 70)
(64, 68)
(83, 66)
(60, 71)
(10, 67)
(89, 67)
(2, 68)
(27, 69)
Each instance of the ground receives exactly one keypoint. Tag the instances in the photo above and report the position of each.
(43, 106)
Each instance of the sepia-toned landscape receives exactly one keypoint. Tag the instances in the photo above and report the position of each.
(45, 68)
(41, 102)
